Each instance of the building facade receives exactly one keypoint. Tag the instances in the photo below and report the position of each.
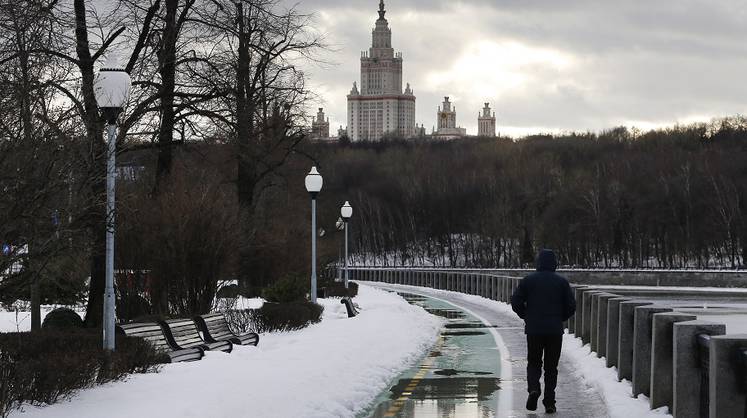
(447, 125)
(486, 122)
(380, 107)
(320, 126)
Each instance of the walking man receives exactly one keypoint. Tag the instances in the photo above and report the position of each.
(544, 300)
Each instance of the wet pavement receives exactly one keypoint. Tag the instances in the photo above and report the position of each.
(464, 375)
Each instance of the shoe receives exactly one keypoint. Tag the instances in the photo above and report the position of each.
(532, 401)
(550, 409)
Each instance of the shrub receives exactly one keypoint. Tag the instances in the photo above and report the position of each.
(41, 368)
(273, 317)
(61, 319)
(331, 288)
(291, 288)
(231, 292)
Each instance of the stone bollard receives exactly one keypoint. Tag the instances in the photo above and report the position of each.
(642, 338)
(587, 321)
(595, 321)
(579, 321)
(625, 344)
(601, 333)
(572, 319)
(686, 365)
(613, 330)
(662, 358)
(727, 377)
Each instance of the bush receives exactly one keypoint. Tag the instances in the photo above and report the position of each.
(273, 317)
(41, 368)
(62, 319)
(291, 288)
(331, 288)
(231, 292)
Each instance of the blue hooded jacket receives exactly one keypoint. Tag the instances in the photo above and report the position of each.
(544, 299)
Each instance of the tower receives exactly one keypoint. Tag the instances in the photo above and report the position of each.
(320, 126)
(380, 106)
(447, 126)
(486, 122)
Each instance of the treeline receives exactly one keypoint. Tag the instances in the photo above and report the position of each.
(669, 198)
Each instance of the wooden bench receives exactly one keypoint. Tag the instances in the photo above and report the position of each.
(350, 307)
(215, 328)
(183, 333)
(153, 333)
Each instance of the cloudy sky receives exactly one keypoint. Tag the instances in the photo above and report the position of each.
(548, 65)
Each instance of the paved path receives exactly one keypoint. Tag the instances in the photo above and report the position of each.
(463, 376)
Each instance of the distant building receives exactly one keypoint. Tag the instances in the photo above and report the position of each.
(486, 122)
(320, 126)
(380, 107)
(420, 131)
(447, 126)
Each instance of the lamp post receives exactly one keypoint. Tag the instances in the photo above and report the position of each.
(112, 89)
(314, 184)
(346, 211)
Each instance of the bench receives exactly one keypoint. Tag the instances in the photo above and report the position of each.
(153, 333)
(350, 307)
(183, 333)
(215, 328)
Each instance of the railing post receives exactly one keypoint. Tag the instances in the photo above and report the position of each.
(687, 372)
(642, 339)
(726, 375)
(613, 330)
(625, 349)
(662, 374)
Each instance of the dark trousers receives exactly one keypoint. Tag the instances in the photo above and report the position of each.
(549, 346)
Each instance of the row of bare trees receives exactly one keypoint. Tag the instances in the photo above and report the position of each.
(213, 71)
(672, 198)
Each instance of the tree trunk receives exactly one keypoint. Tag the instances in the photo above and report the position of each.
(167, 70)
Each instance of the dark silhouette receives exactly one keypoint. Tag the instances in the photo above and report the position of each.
(544, 300)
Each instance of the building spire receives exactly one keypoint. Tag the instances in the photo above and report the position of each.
(382, 12)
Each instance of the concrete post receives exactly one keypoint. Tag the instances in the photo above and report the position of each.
(662, 358)
(727, 377)
(587, 324)
(579, 321)
(601, 332)
(625, 345)
(613, 330)
(686, 366)
(642, 339)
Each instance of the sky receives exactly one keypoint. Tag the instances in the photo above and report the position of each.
(546, 65)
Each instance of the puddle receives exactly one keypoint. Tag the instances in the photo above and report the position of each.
(446, 313)
(452, 372)
(468, 325)
(462, 333)
(452, 388)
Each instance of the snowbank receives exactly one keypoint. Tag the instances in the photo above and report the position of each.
(617, 395)
(333, 369)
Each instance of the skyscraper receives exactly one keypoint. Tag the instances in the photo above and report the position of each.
(380, 107)
(486, 122)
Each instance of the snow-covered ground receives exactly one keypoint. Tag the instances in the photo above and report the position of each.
(332, 369)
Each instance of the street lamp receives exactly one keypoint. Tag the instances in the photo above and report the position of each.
(314, 184)
(112, 89)
(346, 211)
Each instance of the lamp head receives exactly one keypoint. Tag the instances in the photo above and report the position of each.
(314, 182)
(346, 211)
(112, 87)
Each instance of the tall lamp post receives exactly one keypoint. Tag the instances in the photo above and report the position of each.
(112, 89)
(314, 184)
(346, 211)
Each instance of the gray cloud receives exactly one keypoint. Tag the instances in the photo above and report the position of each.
(558, 65)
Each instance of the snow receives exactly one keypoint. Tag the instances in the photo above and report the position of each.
(332, 369)
(617, 395)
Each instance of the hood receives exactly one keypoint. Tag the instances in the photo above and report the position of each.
(546, 261)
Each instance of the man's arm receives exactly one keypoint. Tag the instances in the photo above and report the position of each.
(570, 302)
(519, 300)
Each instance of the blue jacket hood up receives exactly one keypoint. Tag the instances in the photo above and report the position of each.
(546, 261)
